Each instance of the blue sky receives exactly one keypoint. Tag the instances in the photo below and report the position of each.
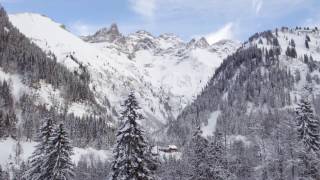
(214, 19)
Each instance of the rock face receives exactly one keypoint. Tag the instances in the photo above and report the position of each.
(111, 35)
(201, 43)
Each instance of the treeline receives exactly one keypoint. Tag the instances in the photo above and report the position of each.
(19, 55)
(253, 92)
(96, 131)
(51, 158)
(8, 118)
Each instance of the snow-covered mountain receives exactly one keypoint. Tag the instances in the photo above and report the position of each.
(111, 34)
(164, 71)
(251, 101)
(240, 100)
(171, 65)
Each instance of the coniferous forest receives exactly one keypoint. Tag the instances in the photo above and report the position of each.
(64, 116)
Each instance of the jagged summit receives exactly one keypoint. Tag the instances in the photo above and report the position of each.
(201, 43)
(164, 44)
(105, 34)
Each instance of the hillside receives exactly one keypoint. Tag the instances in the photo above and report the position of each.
(251, 100)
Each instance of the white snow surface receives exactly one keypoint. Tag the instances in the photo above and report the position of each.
(18, 88)
(208, 130)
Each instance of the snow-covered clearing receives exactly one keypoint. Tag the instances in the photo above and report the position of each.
(207, 130)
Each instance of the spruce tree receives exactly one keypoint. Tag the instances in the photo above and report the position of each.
(307, 44)
(130, 152)
(57, 163)
(308, 125)
(36, 160)
(3, 174)
(216, 158)
(196, 154)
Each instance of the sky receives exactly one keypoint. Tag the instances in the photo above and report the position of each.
(213, 19)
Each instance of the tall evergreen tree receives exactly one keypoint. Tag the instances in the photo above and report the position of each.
(3, 174)
(130, 152)
(306, 44)
(36, 160)
(57, 163)
(308, 125)
(196, 154)
(216, 158)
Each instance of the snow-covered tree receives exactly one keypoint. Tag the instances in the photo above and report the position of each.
(307, 44)
(196, 155)
(57, 163)
(308, 125)
(36, 160)
(130, 152)
(3, 174)
(216, 158)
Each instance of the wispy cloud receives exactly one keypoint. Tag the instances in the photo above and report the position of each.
(145, 8)
(82, 29)
(226, 32)
(257, 5)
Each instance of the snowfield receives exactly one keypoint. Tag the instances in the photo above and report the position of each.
(208, 130)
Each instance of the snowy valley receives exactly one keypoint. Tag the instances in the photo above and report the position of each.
(228, 110)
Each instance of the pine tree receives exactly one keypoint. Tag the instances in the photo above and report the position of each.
(216, 158)
(197, 156)
(292, 43)
(308, 125)
(307, 44)
(308, 38)
(130, 152)
(291, 52)
(36, 160)
(3, 174)
(57, 163)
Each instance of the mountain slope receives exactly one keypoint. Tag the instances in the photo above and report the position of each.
(110, 80)
(176, 68)
(152, 67)
(251, 101)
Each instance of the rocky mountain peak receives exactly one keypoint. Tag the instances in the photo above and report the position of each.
(114, 29)
(105, 35)
(201, 43)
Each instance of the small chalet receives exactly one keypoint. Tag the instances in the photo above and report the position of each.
(169, 149)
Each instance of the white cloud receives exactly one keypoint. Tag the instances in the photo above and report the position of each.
(145, 8)
(83, 29)
(257, 5)
(226, 32)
